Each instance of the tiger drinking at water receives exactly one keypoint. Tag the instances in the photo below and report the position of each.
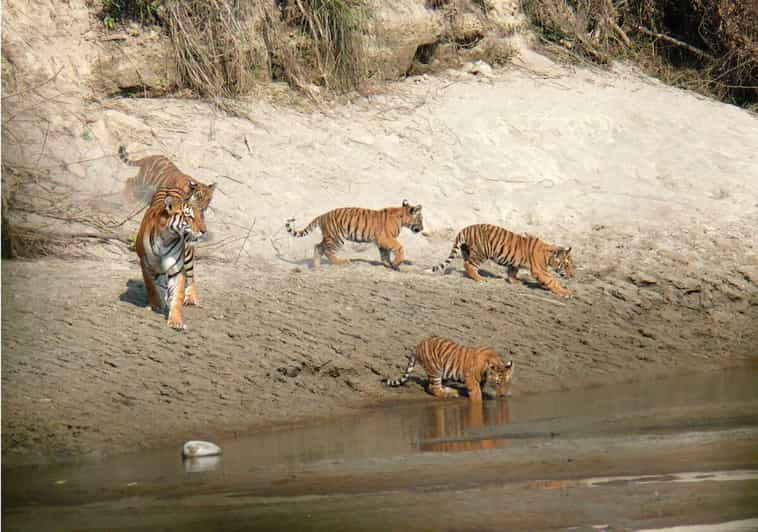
(444, 359)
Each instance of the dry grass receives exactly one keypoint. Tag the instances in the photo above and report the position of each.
(710, 46)
(217, 53)
(223, 47)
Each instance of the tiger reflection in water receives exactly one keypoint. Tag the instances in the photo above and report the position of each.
(456, 421)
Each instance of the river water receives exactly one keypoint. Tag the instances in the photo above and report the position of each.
(680, 450)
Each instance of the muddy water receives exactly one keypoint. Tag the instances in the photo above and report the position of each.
(430, 453)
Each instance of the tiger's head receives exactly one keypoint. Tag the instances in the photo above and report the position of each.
(562, 263)
(501, 374)
(412, 218)
(185, 218)
(201, 194)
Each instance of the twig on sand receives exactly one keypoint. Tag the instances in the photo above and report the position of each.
(44, 144)
(546, 299)
(98, 236)
(132, 215)
(245, 241)
(231, 179)
(277, 250)
(32, 89)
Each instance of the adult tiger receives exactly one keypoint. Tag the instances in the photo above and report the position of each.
(483, 241)
(157, 171)
(444, 359)
(170, 223)
(363, 225)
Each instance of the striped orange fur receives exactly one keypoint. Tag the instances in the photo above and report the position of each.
(443, 359)
(157, 171)
(169, 225)
(363, 225)
(481, 242)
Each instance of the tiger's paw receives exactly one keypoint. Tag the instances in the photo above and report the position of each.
(191, 301)
(177, 325)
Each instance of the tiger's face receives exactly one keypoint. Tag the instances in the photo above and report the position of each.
(562, 262)
(412, 218)
(501, 375)
(201, 194)
(186, 219)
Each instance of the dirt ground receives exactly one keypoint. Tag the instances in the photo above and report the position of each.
(89, 370)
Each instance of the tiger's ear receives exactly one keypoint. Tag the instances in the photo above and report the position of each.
(509, 364)
(568, 250)
(170, 202)
(405, 203)
(192, 183)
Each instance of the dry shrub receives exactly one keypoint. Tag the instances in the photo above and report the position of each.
(722, 39)
(224, 46)
(337, 28)
(587, 28)
(42, 216)
(707, 45)
(217, 52)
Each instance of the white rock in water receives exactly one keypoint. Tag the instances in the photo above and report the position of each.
(200, 448)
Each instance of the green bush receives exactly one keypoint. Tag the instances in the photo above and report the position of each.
(143, 11)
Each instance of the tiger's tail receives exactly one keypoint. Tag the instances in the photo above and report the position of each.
(402, 380)
(459, 241)
(304, 232)
(124, 156)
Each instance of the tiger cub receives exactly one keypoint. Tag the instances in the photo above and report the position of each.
(483, 241)
(157, 171)
(445, 359)
(170, 223)
(363, 225)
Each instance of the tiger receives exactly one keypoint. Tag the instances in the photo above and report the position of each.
(363, 225)
(480, 242)
(171, 222)
(157, 171)
(444, 359)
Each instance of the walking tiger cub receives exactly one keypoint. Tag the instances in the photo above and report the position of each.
(445, 359)
(483, 241)
(170, 223)
(157, 171)
(363, 225)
